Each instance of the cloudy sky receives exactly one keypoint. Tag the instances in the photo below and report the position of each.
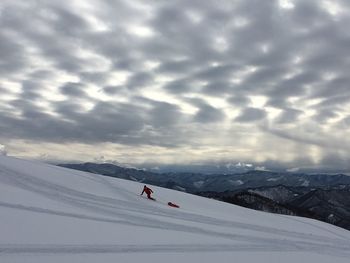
(176, 81)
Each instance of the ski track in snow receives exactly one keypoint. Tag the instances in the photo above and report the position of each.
(132, 212)
(177, 248)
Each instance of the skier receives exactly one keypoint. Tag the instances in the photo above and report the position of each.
(148, 191)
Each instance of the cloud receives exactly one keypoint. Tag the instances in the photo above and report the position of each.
(239, 100)
(72, 89)
(165, 115)
(325, 115)
(12, 54)
(139, 80)
(150, 74)
(251, 115)
(289, 116)
(114, 90)
(176, 67)
(3, 150)
(207, 113)
(180, 86)
(217, 88)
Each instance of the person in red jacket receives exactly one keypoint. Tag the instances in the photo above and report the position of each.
(148, 191)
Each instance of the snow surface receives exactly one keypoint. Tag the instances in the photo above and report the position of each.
(236, 182)
(273, 179)
(54, 214)
(305, 183)
(198, 184)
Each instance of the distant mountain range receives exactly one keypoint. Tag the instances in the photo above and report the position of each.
(198, 182)
(320, 196)
(331, 205)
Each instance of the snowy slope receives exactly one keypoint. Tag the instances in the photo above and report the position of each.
(53, 214)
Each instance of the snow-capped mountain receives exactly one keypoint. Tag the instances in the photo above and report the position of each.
(54, 214)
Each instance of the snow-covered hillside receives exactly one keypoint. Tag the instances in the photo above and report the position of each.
(53, 214)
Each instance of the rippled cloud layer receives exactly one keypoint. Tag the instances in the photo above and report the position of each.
(177, 81)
